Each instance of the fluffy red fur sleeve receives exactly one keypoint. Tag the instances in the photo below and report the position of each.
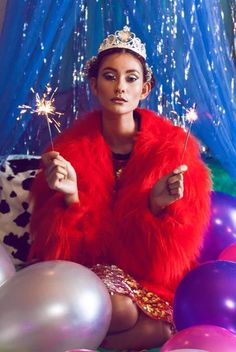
(165, 247)
(53, 224)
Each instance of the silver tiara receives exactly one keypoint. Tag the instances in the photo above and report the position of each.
(124, 39)
(121, 39)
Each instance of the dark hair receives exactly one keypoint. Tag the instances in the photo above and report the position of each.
(93, 65)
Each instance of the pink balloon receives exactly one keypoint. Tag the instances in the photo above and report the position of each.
(206, 337)
(81, 350)
(188, 350)
(229, 253)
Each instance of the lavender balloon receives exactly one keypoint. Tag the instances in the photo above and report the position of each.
(222, 228)
(53, 307)
(207, 295)
(7, 269)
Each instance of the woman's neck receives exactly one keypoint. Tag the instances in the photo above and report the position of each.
(119, 132)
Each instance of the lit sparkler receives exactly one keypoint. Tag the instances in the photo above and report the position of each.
(44, 107)
(190, 116)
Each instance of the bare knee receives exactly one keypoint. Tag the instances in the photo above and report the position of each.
(124, 313)
(167, 331)
(147, 333)
(157, 332)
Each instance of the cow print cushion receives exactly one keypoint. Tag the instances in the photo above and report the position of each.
(16, 175)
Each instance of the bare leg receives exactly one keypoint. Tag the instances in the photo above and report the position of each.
(124, 313)
(147, 333)
(132, 329)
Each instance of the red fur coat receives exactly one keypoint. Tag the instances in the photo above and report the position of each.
(109, 228)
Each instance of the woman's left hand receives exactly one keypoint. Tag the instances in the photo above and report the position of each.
(167, 190)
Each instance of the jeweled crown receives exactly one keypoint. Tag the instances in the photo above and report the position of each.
(124, 39)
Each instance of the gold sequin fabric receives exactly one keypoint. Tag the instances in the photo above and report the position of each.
(117, 281)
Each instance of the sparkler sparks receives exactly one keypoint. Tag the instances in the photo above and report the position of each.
(44, 107)
(191, 115)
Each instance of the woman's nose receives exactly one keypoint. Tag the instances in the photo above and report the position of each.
(120, 87)
(119, 90)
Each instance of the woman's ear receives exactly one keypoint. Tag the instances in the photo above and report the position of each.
(146, 90)
(93, 85)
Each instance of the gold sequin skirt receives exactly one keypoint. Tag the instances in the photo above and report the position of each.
(117, 281)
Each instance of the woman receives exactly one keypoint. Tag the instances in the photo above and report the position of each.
(114, 197)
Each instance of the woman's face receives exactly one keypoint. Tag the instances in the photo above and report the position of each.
(120, 86)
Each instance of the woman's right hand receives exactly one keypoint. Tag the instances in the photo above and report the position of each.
(60, 175)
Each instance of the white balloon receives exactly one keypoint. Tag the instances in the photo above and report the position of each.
(7, 269)
(53, 307)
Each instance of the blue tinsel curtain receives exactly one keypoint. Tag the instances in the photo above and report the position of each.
(189, 48)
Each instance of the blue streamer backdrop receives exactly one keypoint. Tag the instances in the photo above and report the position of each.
(190, 45)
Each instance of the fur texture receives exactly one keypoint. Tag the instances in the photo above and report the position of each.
(119, 228)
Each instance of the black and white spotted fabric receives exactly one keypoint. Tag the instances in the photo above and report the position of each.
(16, 175)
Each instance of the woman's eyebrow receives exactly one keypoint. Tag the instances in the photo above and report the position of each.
(115, 70)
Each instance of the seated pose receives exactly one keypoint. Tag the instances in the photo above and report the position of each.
(115, 197)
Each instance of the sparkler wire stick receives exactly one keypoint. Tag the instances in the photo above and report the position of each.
(50, 132)
(191, 116)
(185, 143)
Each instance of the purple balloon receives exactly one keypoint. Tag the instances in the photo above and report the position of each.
(53, 306)
(7, 269)
(207, 295)
(222, 228)
(206, 338)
